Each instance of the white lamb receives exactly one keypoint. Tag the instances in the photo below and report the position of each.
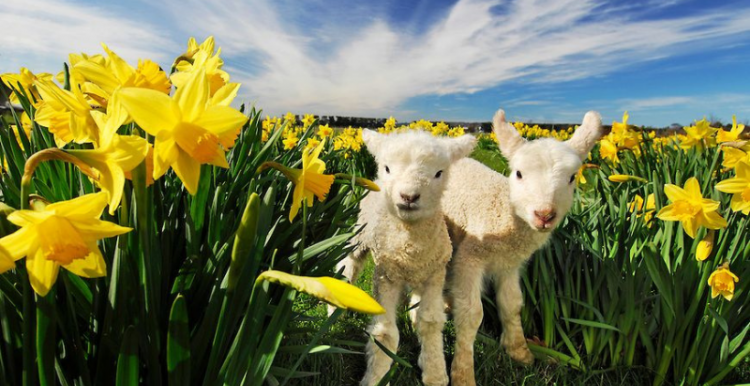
(407, 235)
(497, 222)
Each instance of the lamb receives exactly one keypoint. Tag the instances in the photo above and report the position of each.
(497, 222)
(407, 235)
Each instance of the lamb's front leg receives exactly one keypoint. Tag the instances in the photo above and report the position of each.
(429, 322)
(465, 285)
(383, 328)
(509, 303)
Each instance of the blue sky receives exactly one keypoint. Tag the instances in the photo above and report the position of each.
(668, 61)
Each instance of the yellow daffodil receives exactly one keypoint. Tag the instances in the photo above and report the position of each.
(705, 246)
(608, 151)
(333, 291)
(201, 58)
(690, 208)
(722, 282)
(646, 212)
(290, 119)
(625, 178)
(733, 134)
(701, 135)
(63, 234)
(309, 182)
(189, 130)
(324, 131)
(26, 79)
(290, 141)
(115, 155)
(623, 136)
(66, 114)
(739, 186)
(456, 131)
(308, 120)
(102, 80)
(390, 123)
(311, 144)
(733, 156)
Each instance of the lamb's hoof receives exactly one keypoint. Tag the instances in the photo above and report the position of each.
(521, 354)
(462, 377)
(435, 380)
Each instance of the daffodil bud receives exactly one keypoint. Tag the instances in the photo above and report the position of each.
(705, 246)
(243, 240)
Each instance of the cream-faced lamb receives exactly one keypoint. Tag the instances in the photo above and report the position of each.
(497, 222)
(405, 230)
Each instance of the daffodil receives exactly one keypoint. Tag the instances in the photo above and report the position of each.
(308, 120)
(647, 212)
(623, 136)
(26, 79)
(66, 114)
(102, 80)
(201, 57)
(189, 130)
(701, 135)
(309, 182)
(290, 141)
(625, 178)
(290, 119)
(333, 291)
(739, 186)
(115, 155)
(690, 208)
(733, 156)
(63, 234)
(608, 151)
(324, 131)
(722, 282)
(732, 135)
(311, 144)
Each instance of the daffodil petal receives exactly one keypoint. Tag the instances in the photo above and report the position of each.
(153, 111)
(86, 207)
(714, 220)
(189, 172)
(225, 95)
(693, 188)
(165, 154)
(192, 96)
(733, 185)
(25, 217)
(98, 75)
(668, 213)
(6, 262)
(92, 266)
(42, 272)
(675, 193)
(690, 226)
(221, 120)
(18, 244)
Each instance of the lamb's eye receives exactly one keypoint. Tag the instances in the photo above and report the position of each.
(518, 174)
(572, 178)
(387, 170)
(438, 174)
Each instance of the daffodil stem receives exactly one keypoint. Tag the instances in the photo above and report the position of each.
(54, 154)
(45, 338)
(29, 316)
(300, 252)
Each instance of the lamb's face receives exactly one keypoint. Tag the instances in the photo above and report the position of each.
(413, 168)
(542, 177)
(542, 181)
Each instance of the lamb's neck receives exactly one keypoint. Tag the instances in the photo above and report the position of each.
(420, 227)
(523, 230)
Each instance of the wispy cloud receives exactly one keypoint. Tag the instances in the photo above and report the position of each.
(40, 34)
(471, 48)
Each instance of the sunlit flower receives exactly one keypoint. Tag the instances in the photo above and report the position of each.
(608, 151)
(690, 208)
(102, 80)
(722, 282)
(311, 144)
(733, 156)
(66, 114)
(324, 131)
(115, 154)
(201, 58)
(701, 135)
(189, 130)
(63, 234)
(290, 119)
(26, 79)
(739, 186)
(733, 134)
(308, 120)
(290, 142)
(646, 212)
(333, 291)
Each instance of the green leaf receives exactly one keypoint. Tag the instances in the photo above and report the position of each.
(178, 344)
(589, 323)
(128, 365)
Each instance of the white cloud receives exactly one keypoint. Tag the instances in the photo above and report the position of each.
(378, 66)
(40, 34)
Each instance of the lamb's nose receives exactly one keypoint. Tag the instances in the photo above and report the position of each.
(409, 199)
(546, 215)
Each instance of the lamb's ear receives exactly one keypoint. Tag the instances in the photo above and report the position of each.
(587, 134)
(372, 140)
(460, 147)
(508, 138)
